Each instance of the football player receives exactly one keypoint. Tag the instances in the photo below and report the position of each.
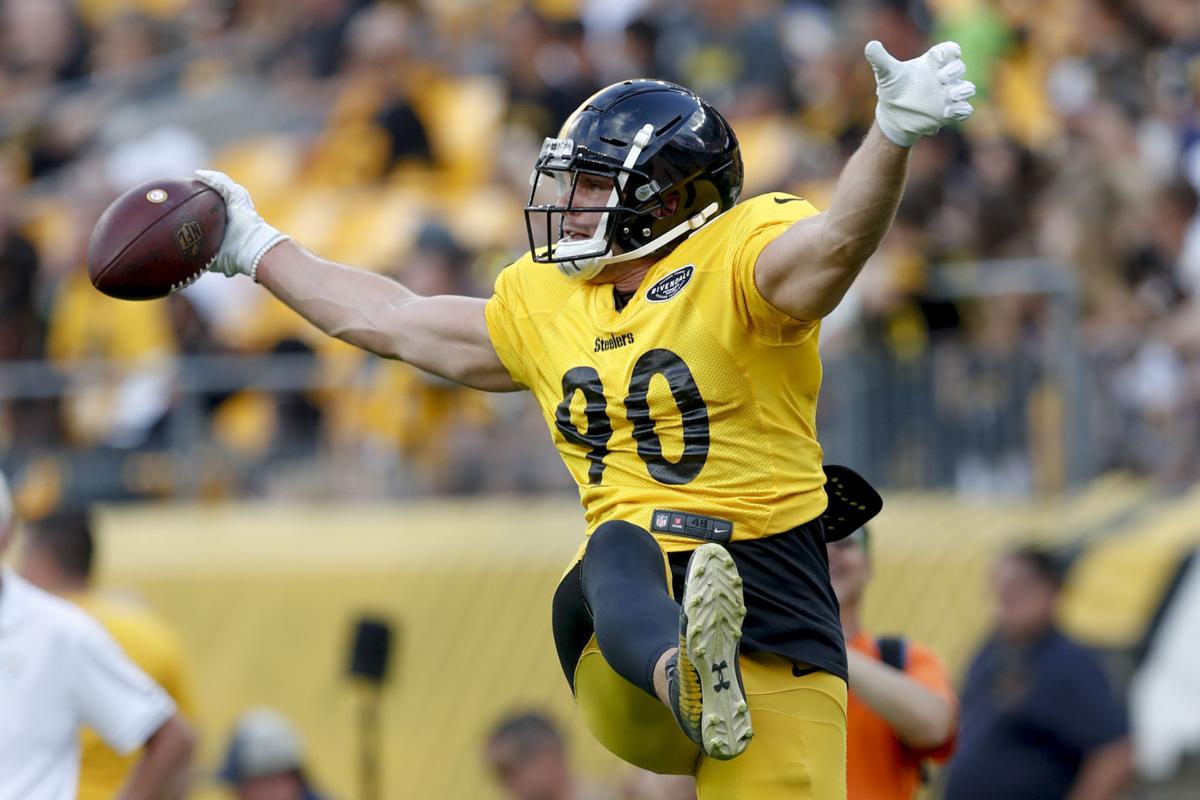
(669, 334)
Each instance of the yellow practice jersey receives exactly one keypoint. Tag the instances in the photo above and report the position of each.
(690, 410)
(152, 645)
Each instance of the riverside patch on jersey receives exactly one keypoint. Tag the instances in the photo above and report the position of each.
(690, 412)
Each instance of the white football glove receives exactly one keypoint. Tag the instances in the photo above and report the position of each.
(247, 236)
(918, 97)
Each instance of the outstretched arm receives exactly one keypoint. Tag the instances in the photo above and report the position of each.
(445, 335)
(806, 271)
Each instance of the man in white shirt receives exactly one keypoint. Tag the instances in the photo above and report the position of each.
(59, 670)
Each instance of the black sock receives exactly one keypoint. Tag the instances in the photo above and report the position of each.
(625, 585)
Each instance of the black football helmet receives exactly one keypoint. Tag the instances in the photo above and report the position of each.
(653, 140)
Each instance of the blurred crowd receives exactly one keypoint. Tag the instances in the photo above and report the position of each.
(398, 136)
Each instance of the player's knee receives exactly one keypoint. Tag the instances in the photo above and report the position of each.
(620, 540)
(619, 552)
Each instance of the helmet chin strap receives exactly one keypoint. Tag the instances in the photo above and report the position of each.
(584, 268)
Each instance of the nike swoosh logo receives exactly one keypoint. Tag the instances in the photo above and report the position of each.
(782, 200)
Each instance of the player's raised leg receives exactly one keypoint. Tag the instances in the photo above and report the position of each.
(624, 584)
(686, 657)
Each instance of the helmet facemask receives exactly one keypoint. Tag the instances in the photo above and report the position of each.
(634, 198)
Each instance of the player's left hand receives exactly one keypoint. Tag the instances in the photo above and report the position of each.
(918, 97)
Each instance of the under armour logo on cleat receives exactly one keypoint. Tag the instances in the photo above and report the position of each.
(720, 670)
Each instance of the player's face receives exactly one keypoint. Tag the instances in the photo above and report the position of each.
(849, 569)
(1025, 602)
(591, 191)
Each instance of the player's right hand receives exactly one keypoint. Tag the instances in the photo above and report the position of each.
(919, 96)
(247, 235)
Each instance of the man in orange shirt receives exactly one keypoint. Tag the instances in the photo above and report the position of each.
(899, 713)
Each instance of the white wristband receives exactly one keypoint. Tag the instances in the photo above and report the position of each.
(280, 238)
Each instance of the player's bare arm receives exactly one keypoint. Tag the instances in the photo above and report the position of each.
(444, 335)
(806, 271)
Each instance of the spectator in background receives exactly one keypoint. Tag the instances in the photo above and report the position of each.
(124, 44)
(381, 56)
(316, 46)
(42, 42)
(373, 124)
(57, 557)
(439, 263)
(528, 756)
(22, 332)
(436, 427)
(901, 708)
(643, 785)
(731, 53)
(1040, 718)
(60, 671)
(264, 759)
(546, 71)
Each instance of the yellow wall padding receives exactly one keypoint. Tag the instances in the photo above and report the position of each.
(1119, 582)
(265, 597)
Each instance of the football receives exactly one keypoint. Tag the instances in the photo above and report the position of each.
(156, 238)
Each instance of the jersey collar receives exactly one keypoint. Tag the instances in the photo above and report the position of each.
(603, 302)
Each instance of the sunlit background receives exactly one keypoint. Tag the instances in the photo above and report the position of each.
(1017, 363)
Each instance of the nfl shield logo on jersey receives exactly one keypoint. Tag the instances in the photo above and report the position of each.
(660, 520)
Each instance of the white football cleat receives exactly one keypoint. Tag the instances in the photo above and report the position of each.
(704, 680)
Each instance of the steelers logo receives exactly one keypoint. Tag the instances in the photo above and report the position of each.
(156, 196)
